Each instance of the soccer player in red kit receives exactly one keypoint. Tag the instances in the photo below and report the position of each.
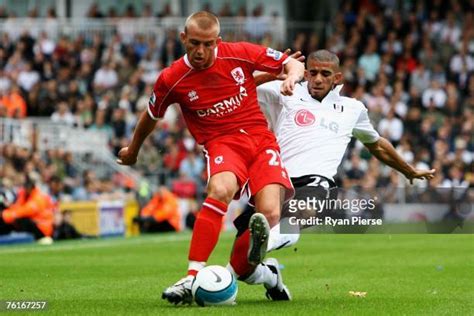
(214, 86)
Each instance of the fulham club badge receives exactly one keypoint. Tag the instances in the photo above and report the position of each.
(338, 108)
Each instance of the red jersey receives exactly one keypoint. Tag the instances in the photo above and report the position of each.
(221, 99)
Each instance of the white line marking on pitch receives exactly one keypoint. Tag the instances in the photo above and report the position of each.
(94, 244)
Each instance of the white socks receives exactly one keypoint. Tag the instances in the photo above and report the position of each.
(262, 275)
(196, 265)
(278, 240)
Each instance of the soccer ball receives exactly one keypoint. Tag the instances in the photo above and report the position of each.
(214, 285)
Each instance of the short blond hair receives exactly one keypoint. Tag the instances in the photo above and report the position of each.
(204, 20)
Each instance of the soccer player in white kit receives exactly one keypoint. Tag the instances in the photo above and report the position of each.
(313, 128)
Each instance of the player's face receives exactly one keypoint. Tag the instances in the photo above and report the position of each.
(321, 77)
(200, 45)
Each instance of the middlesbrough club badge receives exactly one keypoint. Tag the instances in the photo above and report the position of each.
(238, 75)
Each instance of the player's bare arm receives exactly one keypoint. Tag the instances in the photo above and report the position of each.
(128, 155)
(261, 77)
(384, 151)
(295, 72)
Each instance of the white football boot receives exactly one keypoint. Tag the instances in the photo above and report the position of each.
(180, 292)
(279, 292)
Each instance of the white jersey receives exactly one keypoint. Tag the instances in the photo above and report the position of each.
(313, 135)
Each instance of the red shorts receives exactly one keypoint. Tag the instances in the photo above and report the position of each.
(254, 159)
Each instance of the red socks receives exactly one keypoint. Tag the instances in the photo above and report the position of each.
(238, 258)
(206, 233)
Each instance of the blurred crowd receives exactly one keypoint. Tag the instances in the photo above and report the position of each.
(57, 175)
(412, 66)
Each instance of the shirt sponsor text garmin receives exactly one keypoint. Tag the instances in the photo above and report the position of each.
(226, 106)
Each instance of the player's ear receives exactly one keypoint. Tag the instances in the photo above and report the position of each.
(182, 37)
(219, 40)
(338, 78)
(306, 75)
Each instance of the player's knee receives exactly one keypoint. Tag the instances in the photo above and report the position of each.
(271, 212)
(272, 218)
(221, 193)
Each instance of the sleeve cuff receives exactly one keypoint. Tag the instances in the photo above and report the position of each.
(151, 114)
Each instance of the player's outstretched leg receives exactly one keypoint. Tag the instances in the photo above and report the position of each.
(259, 234)
(279, 291)
(180, 292)
(269, 274)
(279, 240)
(250, 245)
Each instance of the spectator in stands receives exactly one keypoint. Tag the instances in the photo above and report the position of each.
(355, 170)
(31, 212)
(63, 115)
(100, 123)
(47, 99)
(171, 48)
(28, 77)
(119, 127)
(45, 45)
(64, 228)
(461, 62)
(151, 68)
(161, 214)
(377, 103)
(420, 78)
(434, 95)
(455, 178)
(83, 115)
(5, 82)
(14, 103)
(192, 166)
(149, 159)
(55, 190)
(258, 24)
(105, 78)
(172, 159)
(391, 128)
(94, 11)
(126, 69)
(370, 60)
(166, 11)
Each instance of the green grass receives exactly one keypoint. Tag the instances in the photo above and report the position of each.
(402, 275)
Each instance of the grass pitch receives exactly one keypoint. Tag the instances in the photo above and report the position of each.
(402, 275)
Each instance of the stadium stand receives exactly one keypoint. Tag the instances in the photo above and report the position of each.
(412, 64)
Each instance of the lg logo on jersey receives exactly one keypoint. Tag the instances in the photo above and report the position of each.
(306, 118)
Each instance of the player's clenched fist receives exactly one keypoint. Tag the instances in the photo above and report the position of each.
(126, 157)
(288, 85)
(294, 75)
